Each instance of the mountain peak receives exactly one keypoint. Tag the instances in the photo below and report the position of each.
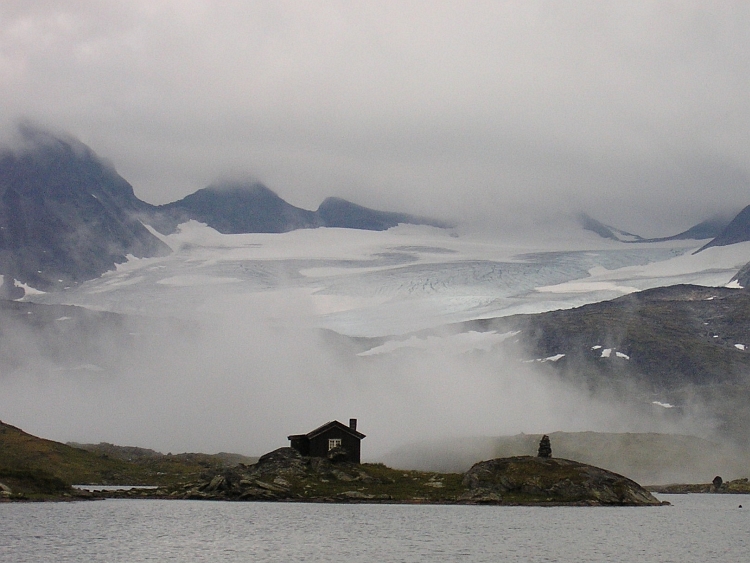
(606, 231)
(738, 230)
(65, 215)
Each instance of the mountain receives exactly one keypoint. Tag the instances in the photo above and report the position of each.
(234, 208)
(65, 215)
(673, 348)
(738, 230)
(606, 231)
(336, 212)
(704, 230)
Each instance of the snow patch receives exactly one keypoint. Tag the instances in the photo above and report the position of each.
(606, 353)
(554, 358)
(597, 347)
(734, 284)
(621, 355)
(660, 404)
(739, 346)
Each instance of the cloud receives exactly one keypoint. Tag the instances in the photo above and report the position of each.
(635, 112)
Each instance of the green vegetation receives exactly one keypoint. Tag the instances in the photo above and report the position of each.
(103, 464)
(32, 484)
(383, 483)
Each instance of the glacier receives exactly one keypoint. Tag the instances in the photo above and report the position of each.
(408, 278)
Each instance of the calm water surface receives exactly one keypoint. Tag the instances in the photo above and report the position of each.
(697, 528)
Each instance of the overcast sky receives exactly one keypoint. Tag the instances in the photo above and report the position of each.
(636, 112)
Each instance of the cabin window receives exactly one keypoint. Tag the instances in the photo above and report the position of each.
(334, 443)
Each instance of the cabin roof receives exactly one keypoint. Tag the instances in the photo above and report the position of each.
(327, 426)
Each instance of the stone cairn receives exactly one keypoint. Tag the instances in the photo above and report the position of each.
(545, 448)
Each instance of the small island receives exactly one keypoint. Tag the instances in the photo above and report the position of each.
(287, 475)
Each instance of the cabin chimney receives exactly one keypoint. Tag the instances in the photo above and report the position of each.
(353, 423)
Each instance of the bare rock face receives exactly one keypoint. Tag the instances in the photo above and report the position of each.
(278, 475)
(527, 479)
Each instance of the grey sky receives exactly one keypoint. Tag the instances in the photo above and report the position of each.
(637, 112)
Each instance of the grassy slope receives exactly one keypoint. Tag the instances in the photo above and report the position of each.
(19, 450)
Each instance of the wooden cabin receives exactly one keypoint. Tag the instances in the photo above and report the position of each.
(332, 435)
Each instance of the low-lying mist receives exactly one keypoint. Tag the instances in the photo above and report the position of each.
(241, 373)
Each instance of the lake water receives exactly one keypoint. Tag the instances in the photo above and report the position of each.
(698, 528)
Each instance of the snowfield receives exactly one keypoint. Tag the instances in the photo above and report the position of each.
(365, 283)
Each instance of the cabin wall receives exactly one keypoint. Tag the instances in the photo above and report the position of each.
(319, 444)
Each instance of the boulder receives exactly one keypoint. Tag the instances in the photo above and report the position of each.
(525, 479)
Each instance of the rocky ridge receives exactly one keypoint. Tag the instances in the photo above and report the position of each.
(286, 475)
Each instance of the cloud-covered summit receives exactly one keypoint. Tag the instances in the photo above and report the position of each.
(634, 112)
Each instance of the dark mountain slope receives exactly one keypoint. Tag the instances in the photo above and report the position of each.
(66, 216)
(336, 212)
(606, 231)
(240, 208)
(667, 337)
(686, 347)
(703, 230)
(738, 230)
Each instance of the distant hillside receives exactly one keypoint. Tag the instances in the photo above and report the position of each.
(670, 354)
(103, 464)
(667, 336)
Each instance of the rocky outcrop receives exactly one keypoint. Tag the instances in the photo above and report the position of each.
(283, 474)
(537, 480)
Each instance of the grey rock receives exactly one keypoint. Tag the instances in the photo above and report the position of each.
(553, 480)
